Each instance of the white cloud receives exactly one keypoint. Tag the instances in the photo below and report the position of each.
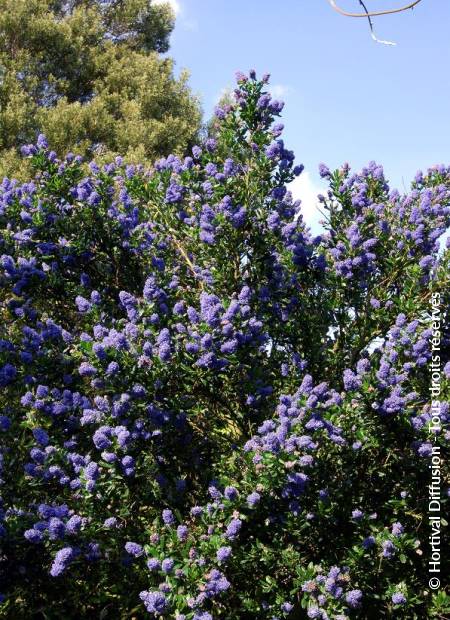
(278, 91)
(186, 23)
(173, 3)
(304, 189)
(227, 90)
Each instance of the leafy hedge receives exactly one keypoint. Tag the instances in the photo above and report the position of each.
(206, 411)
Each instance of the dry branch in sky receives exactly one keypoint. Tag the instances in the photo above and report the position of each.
(369, 14)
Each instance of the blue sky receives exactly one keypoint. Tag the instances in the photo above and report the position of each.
(347, 97)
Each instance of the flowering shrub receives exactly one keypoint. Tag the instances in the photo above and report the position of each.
(206, 411)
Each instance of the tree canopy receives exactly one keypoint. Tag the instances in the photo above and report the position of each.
(90, 75)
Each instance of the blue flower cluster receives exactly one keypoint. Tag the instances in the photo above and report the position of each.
(205, 408)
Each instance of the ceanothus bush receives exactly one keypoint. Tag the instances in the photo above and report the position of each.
(207, 411)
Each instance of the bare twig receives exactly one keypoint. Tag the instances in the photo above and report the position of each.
(372, 32)
(366, 14)
(369, 14)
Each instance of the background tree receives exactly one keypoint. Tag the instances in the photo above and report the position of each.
(90, 75)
